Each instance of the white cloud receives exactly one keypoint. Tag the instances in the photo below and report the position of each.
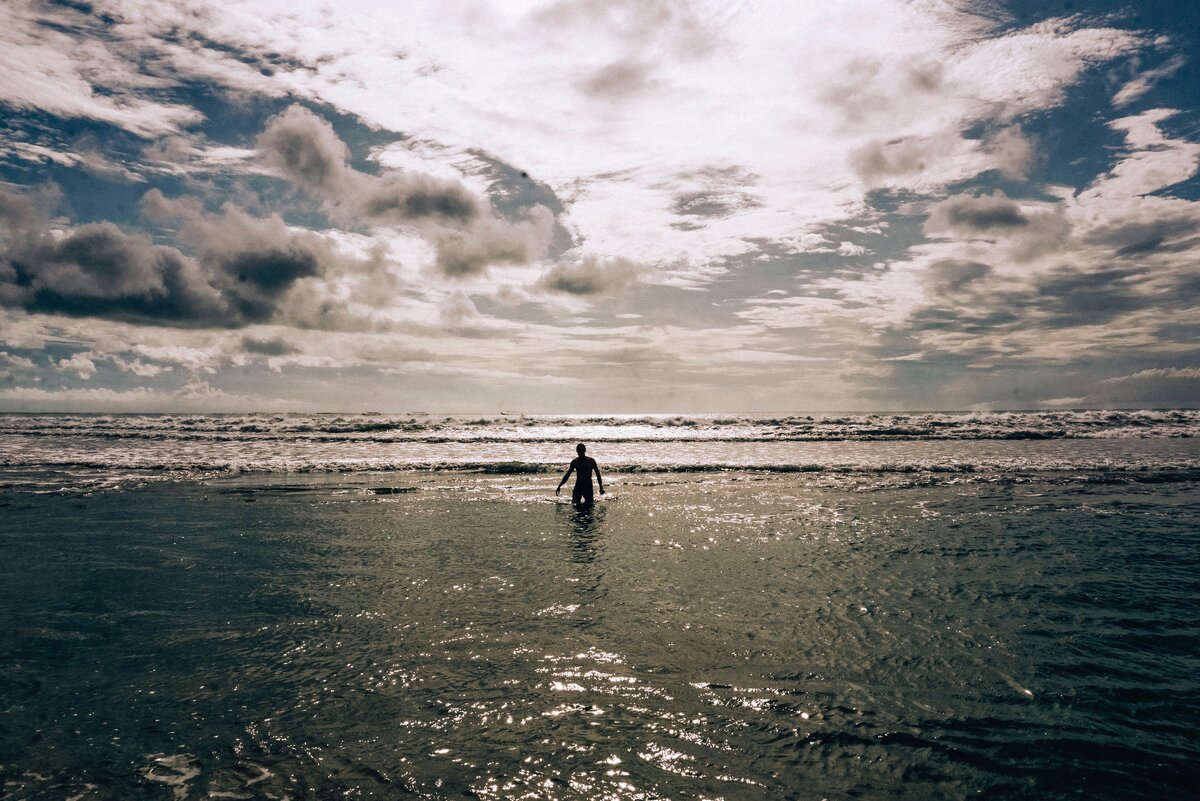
(685, 140)
(1144, 81)
(1183, 373)
(192, 396)
(139, 367)
(79, 364)
(784, 91)
(12, 360)
(51, 70)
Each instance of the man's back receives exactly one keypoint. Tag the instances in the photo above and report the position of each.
(584, 465)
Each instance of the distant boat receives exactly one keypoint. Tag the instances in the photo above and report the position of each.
(370, 414)
(513, 414)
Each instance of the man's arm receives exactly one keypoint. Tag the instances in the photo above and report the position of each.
(599, 478)
(566, 475)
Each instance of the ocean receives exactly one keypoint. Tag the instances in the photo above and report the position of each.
(973, 605)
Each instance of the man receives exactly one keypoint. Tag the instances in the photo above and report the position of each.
(582, 466)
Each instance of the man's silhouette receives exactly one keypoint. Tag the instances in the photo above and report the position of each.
(582, 466)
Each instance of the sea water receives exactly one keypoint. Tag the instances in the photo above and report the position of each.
(321, 606)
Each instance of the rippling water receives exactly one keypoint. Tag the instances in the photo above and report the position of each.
(734, 634)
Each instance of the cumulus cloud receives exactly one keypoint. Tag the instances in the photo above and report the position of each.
(139, 367)
(80, 364)
(240, 271)
(457, 309)
(589, 275)
(974, 213)
(251, 261)
(467, 236)
(1021, 231)
(928, 162)
(97, 269)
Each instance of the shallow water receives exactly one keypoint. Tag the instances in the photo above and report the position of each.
(701, 635)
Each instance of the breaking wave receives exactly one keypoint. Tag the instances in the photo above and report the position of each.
(659, 428)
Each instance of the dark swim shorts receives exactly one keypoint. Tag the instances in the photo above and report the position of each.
(582, 494)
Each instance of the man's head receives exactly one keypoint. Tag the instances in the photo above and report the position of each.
(581, 449)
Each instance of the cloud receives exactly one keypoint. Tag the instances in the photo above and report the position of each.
(950, 276)
(619, 80)
(305, 149)
(467, 236)
(715, 192)
(1152, 387)
(927, 163)
(194, 395)
(242, 271)
(276, 346)
(974, 214)
(1019, 232)
(139, 367)
(1170, 373)
(12, 360)
(79, 364)
(97, 269)
(66, 68)
(1144, 81)
(457, 309)
(589, 275)
(251, 261)
(685, 141)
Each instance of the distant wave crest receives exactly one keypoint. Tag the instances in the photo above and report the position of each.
(644, 428)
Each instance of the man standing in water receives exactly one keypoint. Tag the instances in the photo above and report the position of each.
(582, 466)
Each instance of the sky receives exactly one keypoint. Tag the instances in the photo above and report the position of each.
(591, 206)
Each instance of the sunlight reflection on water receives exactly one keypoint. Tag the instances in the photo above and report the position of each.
(718, 635)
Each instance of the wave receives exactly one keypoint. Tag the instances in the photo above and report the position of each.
(1188, 469)
(1016, 426)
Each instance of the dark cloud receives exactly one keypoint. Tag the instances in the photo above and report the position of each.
(589, 276)
(1025, 234)
(971, 213)
(876, 161)
(951, 275)
(269, 347)
(1140, 237)
(618, 80)
(96, 270)
(1070, 297)
(403, 198)
(22, 211)
(468, 237)
(253, 261)
(472, 250)
(240, 270)
(306, 149)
